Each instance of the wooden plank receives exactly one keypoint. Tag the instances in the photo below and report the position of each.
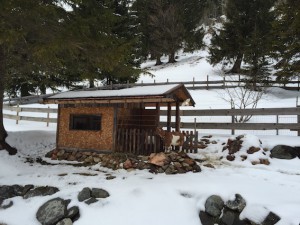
(38, 119)
(233, 112)
(242, 126)
(8, 116)
(39, 110)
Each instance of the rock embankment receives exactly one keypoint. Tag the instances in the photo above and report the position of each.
(168, 163)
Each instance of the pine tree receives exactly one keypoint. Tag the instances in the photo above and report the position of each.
(27, 43)
(96, 33)
(167, 26)
(245, 35)
(286, 42)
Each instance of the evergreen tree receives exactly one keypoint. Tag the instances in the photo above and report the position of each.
(286, 42)
(244, 36)
(102, 50)
(169, 26)
(28, 43)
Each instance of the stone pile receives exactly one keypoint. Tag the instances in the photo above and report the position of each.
(234, 145)
(90, 196)
(169, 163)
(228, 213)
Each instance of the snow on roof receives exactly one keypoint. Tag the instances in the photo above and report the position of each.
(134, 91)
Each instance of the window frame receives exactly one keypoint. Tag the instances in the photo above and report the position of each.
(88, 125)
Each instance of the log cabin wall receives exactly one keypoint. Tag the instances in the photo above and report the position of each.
(86, 139)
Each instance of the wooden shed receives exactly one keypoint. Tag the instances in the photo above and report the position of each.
(121, 120)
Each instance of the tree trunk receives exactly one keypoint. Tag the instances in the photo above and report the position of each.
(3, 133)
(158, 61)
(237, 64)
(172, 58)
(91, 81)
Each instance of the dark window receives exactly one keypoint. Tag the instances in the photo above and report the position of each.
(85, 122)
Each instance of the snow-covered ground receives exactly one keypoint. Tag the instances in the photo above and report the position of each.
(139, 197)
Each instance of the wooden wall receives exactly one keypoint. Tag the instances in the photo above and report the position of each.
(86, 140)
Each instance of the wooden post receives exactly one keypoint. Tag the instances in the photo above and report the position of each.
(177, 124)
(195, 124)
(277, 121)
(232, 121)
(193, 83)
(18, 110)
(127, 83)
(298, 117)
(167, 80)
(224, 82)
(169, 117)
(239, 80)
(48, 116)
(298, 84)
(207, 82)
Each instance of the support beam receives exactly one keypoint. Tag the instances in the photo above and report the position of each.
(169, 117)
(177, 123)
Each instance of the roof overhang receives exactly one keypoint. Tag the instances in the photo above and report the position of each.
(170, 94)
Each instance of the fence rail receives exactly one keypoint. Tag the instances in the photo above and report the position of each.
(239, 112)
(17, 117)
(195, 114)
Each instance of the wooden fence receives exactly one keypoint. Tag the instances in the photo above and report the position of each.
(196, 125)
(145, 142)
(17, 117)
(240, 112)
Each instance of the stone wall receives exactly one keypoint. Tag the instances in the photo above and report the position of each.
(90, 140)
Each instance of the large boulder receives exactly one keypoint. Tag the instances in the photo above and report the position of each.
(214, 205)
(52, 211)
(284, 152)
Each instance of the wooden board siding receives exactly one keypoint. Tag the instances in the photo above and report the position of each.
(89, 140)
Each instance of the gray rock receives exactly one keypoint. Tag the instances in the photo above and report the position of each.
(6, 205)
(271, 219)
(52, 211)
(207, 219)
(84, 194)
(214, 205)
(284, 152)
(41, 191)
(73, 213)
(229, 217)
(91, 201)
(99, 193)
(237, 204)
(66, 221)
(9, 191)
(232, 217)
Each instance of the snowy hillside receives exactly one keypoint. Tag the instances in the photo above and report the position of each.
(139, 197)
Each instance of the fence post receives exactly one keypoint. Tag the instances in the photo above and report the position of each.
(277, 121)
(18, 110)
(239, 80)
(207, 82)
(193, 83)
(298, 116)
(167, 80)
(48, 116)
(232, 121)
(298, 84)
(224, 82)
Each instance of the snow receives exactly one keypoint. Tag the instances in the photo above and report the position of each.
(139, 197)
(134, 91)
